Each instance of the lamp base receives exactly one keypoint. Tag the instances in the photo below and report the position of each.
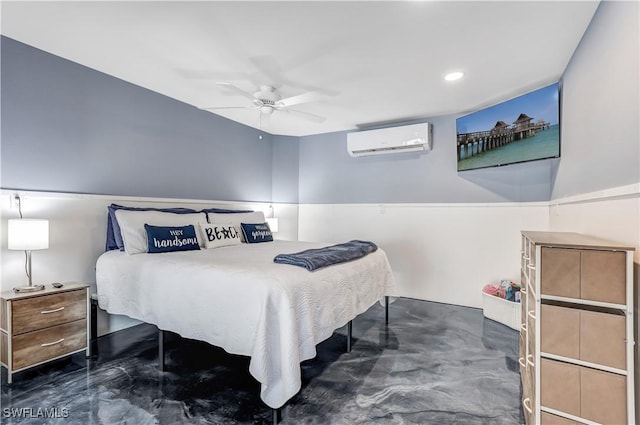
(33, 288)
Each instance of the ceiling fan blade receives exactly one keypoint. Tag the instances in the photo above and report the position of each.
(297, 100)
(237, 90)
(306, 115)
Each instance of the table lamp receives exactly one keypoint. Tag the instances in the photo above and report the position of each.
(28, 235)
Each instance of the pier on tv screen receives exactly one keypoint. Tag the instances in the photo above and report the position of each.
(525, 128)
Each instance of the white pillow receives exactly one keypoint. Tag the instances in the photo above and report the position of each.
(216, 235)
(236, 219)
(134, 234)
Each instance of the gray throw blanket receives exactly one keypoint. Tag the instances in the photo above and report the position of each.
(313, 259)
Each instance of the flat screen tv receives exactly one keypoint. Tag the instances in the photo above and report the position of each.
(525, 128)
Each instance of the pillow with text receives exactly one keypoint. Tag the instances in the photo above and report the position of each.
(171, 238)
(216, 235)
(257, 232)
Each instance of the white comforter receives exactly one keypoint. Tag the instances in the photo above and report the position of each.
(236, 298)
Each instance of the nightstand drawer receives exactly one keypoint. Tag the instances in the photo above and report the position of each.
(45, 311)
(38, 346)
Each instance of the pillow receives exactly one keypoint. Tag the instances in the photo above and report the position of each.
(222, 211)
(216, 235)
(254, 233)
(134, 235)
(171, 238)
(255, 217)
(111, 241)
(114, 236)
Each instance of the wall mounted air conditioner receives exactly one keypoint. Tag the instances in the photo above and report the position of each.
(406, 138)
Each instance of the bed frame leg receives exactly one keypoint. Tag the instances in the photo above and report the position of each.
(93, 334)
(276, 416)
(386, 310)
(349, 332)
(161, 349)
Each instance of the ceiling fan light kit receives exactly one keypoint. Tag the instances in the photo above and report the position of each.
(266, 109)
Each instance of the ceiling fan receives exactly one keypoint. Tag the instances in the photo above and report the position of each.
(267, 100)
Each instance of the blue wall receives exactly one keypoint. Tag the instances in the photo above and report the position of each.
(68, 128)
(329, 175)
(72, 129)
(285, 169)
(601, 105)
(599, 141)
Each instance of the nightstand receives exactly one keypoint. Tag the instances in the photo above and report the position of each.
(37, 327)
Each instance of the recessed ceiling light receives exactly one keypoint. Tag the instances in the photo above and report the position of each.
(454, 76)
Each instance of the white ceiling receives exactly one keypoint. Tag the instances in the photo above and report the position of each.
(372, 62)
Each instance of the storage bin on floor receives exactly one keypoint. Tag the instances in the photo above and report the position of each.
(501, 310)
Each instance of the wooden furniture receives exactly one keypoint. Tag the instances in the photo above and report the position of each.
(576, 334)
(37, 327)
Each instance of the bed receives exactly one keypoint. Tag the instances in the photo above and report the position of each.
(235, 297)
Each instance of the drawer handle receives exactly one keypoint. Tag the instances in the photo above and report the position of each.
(521, 361)
(530, 356)
(52, 311)
(531, 266)
(47, 344)
(532, 314)
(523, 327)
(524, 403)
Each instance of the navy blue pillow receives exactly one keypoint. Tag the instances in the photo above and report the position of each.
(114, 237)
(254, 233)
(171, 238)
(111, 241)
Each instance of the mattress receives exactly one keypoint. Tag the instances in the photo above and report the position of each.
(237, 298)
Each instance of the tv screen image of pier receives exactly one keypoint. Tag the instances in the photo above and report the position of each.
(525, 128)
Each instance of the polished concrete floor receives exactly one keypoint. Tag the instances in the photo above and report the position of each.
(434, 364)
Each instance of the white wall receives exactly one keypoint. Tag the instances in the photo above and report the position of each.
(611, 214)
(77, 233)
(438, 252)
(448, 252)
(600, 138)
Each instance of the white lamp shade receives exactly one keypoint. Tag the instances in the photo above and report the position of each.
(273, 224)
(28, 234)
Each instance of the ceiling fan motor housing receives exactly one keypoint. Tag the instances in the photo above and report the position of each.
(266, 98)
